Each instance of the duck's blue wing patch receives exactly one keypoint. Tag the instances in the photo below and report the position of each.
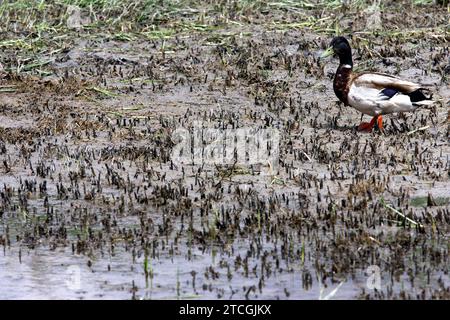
(388, 92)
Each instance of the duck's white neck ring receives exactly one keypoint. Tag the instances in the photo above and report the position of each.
(347, 66)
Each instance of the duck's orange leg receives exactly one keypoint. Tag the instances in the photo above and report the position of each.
(368, 126)
(380, 123)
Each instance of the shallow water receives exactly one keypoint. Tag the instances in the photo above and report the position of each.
(58, 274)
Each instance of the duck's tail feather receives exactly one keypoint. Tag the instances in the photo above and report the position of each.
(418, 95)
(418, 98)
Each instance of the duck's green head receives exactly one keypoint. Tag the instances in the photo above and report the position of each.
(340, 47)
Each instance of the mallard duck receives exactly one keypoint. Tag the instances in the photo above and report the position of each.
(371, 93)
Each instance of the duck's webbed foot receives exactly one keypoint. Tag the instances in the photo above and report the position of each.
(368, 126)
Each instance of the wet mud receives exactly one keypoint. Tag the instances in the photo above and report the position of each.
(93, 204)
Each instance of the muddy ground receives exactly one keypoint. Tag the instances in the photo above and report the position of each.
(94, 205)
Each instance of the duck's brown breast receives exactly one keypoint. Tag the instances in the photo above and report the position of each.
(341, 83)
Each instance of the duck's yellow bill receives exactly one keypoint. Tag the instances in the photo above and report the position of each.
(327, 53)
